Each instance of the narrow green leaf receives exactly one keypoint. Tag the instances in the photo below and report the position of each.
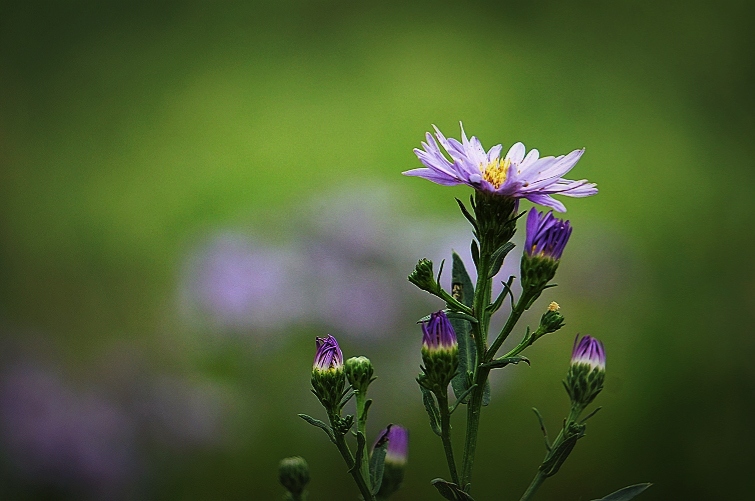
(626, 493)
(486, 393)
(475, 254)
(463, 290)
(499, 255)
(432, 410)
(450, 491)
(319, 424)
(451, 315)
(504, 361)
(360, 451)
(377, 461)
(466, 213)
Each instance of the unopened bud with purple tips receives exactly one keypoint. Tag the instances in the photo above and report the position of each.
(328, 378)
(396, 455)
(543, 246)
(587, 371)
(440, 352)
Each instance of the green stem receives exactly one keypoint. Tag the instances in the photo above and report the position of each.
(482, 295)
(540, 476)
(473, 425)
(343, 448)
(445, 430)
(534, 486)
(361, 401)
(516, 313)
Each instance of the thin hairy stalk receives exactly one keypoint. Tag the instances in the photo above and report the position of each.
(343, 448)
(445, 435)
(482, 296)
(361, 407)
(520, 307)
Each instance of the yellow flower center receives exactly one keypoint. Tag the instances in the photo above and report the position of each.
(495, 171)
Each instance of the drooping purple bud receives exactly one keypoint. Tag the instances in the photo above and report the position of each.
(546, 235)
(396, 454)
(328, 356)
(437, 333)
(589, 351)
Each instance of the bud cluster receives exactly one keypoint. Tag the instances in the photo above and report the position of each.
(423, 276)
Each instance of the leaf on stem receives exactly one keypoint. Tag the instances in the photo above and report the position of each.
(466, 213)
(497, 258)
(499, 363)
(361, 441)
(486, 393)
(377, 461)
(319, 424)
(626, 493)
(543, 428)
(450, 491)
(463, 291)
(432, 409)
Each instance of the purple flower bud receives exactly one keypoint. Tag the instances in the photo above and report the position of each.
(398, 444)
(438, 333)
(546, 235)
(589, 351)
(328, 356)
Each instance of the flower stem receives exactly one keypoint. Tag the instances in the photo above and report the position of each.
(534, 486)
(519, 308)
(482, 296)
(445, 430)
(343, 448)
(361, 401)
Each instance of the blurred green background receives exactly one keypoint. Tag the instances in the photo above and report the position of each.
(191, 191)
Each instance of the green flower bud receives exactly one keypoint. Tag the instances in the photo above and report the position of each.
(293, 474)
(359, 372)
(423, 276)
(552, 320)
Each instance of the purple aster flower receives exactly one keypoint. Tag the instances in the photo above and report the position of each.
(328, 356)
(516, 175)
(398, 444)
(546, 235)
(438, 333)
(589, 351)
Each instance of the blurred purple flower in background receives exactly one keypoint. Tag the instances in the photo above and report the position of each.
(77, 440)
(233, 283)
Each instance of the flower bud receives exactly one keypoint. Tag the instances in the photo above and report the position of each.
(423, 276)
(359, 372)
(293, 474)
(543, 246)
(586, 372)
(328, 378)
(552, 320)
(395, 458)
(440, 352)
